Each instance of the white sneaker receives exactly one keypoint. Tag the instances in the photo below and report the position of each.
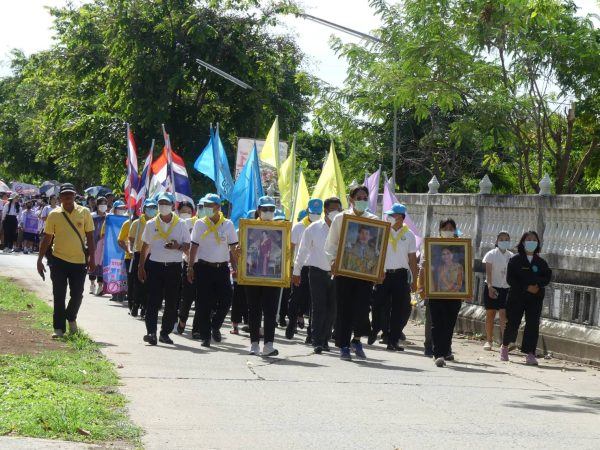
(92, 287)
(268, 350)
(99, 289)
(254, 348)
(58, 333)
(487, 346)
(73, 329)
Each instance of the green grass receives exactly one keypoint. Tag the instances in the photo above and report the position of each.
(57, 394)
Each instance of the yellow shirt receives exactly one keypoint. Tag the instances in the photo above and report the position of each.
(124, 235)
(67, 245)
(136, 231)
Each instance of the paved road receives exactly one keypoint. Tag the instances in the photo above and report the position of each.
(186, 396)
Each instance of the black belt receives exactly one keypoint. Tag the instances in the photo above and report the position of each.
(328, 272)
(211, 264)
(396, 270)
(166, 264)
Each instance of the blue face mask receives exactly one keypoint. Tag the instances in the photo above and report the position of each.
(530, 246)
(503, 245)
(361, 205)
(150, 212)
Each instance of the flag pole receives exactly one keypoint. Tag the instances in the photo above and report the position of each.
(170, 161)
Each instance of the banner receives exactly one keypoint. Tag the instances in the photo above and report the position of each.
(114, 269)
(244, 147)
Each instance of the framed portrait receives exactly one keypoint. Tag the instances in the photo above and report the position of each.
(265, 258)
(448, 268)
(362, 248)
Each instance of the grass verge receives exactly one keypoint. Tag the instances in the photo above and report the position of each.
(68, 394)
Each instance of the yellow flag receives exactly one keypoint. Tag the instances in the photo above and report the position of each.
(331, 182)
(270, 152)
(302, 197)
(286, 181)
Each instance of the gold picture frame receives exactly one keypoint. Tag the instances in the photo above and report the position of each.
(448, 269)
(265, 257)
(361, 254)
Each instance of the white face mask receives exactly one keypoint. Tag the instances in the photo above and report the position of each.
(208, 212)
(447, 234)
(165, 210)
(332, 215)
(391, 219)
(267, 215)
(102, 208)
(121, 212)
(185, 216)
(314, 217)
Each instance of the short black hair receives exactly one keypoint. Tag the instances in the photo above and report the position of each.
(521, 246)
(447, 221)
(501, 233)
(101, 199)
(357, 189)
(331, 200)
(184, 204)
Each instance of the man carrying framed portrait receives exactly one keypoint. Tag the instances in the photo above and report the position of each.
(358, 260)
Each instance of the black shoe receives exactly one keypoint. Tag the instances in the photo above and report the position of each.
(282, 323)
(301, 323)
(196, 335)
(449, 357)
(395, 347)
(326, 348)
(383, 340)
(372, 338)
(180, 329)
(318, 349)
(289, 331)
(216, 335)
(205, 343)
(165, 339)
(402, 336)
(308, 340)
(150, 339)
(134, 313)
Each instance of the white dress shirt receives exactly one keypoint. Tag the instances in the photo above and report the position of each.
(297, 232)
(333, 238)
(158, 252)
(210, 248)
(311, 250)
(406, 244)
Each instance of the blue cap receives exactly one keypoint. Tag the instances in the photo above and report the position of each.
(149, 202)
(118, 204)
(266, 201)
(165, 197)
(397, 208)
(279, 215)
(302, 214)
(250, 214)
(315, 206)
(212, 198)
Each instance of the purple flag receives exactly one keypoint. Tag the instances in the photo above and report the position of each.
(372, 184)
(388, 200)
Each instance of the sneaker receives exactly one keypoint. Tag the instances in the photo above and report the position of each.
(395, 347)
(318, 349)
(205, 343)
(73, 329)
(216, 335)
(357, 348)
(326, 347)
(92, 287)
(440, 362)
(449, 357)
(503, 353)
(165, 339)
(58, 333)
(531, 360)
(254, 348)
(99, 289)
(268, 350)
(345, 354)
(487, 346)
(150, 339)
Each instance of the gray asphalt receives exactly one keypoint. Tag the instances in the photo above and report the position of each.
(188, 397)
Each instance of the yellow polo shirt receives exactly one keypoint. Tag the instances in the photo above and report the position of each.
(136, 231)
(67, 245)
(124, 235)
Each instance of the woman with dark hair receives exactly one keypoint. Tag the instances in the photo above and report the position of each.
(527, 275)
(10, 222)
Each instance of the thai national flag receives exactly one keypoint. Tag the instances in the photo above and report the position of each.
(162, 173)
(132, 181)
(144, 181)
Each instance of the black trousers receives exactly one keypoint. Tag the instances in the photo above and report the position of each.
(323, 305)
(188, 296)
(443, 319)
(299, 302)
(163, 283)
(239, 305)
(391, 305)
(516, 306)
(213, 286)
(10, 226)
(283, 307)
(353, 304)
(262, 300)
(65, 274)
(140, 290)
(131, 277)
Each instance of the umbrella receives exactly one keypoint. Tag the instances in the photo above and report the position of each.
(4, 187)
(49, 188)
(96, 191)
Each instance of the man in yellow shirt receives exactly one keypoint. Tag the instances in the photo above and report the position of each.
(69, 224)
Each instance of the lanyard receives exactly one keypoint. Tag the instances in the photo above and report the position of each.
(306, 222)
(401, 233)
(213, 227)
(161, 233)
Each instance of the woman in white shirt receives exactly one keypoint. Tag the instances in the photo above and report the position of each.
(496, 287)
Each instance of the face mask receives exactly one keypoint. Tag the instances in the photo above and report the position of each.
(102, 208)
(150, 212)
(530, 246)
(361, 205)
(208, 212)
(332, 215)
(120, 212)
(165, 210)
(185, 216)
(391, 219)
(267, 215)
(314, 217)
(447, 234)
(503, 245)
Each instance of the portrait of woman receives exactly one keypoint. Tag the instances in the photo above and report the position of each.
(264, 253)
(450, 273)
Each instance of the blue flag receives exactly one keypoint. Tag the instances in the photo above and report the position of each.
(248, 188)
(213, 163)
(114, 268)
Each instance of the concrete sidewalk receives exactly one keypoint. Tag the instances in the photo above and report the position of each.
(188, 397)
